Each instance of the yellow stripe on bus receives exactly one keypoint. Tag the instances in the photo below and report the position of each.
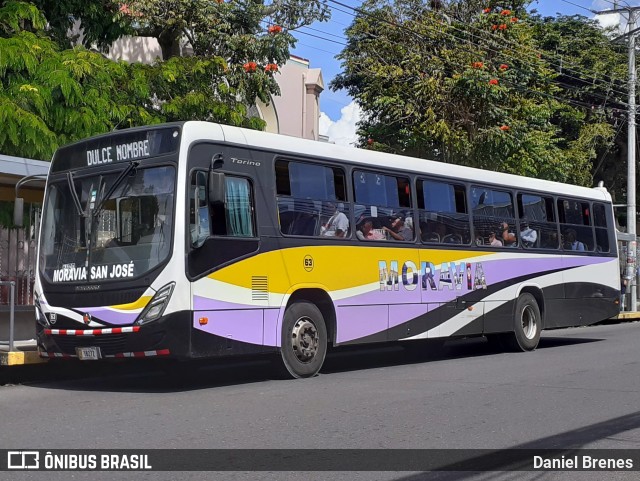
(335, 267)
(139, 304)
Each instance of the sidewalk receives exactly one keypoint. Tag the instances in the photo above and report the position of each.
(628, 316)
(24, 352)
(24, 346)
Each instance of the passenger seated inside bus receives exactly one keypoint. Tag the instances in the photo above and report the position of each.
(399, 230)
(494, 241)
(572, 243)
(337, 225)
(366, 231)
(508, 237)
(528, 235)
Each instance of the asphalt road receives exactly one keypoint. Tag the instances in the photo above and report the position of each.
(579, 389)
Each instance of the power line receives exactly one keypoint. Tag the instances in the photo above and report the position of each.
(579, 6)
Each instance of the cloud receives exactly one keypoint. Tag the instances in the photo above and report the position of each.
(343, 130)
(609, 19)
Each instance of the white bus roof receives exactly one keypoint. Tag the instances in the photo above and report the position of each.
(204, 130)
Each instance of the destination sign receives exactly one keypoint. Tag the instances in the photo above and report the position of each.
(123, 146)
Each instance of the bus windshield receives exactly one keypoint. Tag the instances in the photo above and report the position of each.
(108, 227)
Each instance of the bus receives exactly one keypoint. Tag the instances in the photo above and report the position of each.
(198, 240)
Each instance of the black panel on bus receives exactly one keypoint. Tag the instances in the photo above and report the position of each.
(125, 146)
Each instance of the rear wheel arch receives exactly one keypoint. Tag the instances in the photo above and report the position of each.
(538, 295)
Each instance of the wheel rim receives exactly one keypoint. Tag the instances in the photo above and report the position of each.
(305, 339)
(529, 322)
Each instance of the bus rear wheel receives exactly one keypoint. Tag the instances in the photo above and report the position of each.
(304, 341)
(527, 324)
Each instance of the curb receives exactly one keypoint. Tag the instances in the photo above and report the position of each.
(20, 358)
(628, 315)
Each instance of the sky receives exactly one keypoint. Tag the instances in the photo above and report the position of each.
(320, 43)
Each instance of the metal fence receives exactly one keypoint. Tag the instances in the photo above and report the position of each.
(17, 264)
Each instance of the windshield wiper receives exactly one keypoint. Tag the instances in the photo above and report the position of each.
(74, 195)
(116, 183)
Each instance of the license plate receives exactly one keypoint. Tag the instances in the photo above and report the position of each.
(88, 353)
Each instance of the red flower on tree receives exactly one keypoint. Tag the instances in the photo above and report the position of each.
(273, 29)
(493, 81)
(514, 19)
(494, 27)
(504, 67)
(250, 67)
(478, 65)
(505, 12)
(271, 67)
(504, 128)
(502, 26)
(486, 10)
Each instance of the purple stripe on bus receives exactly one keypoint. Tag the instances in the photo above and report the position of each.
(359, 321)
(245, 325)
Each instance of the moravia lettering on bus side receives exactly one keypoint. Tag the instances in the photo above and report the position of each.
(450, 275)
(119, 153)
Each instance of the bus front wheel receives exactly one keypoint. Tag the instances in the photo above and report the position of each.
(527, 324)
(304, 340)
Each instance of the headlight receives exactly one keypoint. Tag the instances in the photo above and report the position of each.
(157, 305)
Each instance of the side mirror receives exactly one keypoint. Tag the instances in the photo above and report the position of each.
(18, 212)
(217, 188)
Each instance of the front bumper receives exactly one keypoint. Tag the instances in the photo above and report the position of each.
(166, 337)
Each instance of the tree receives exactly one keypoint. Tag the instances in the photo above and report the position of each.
(50, 96)
(251, 38)
(592, 71)
(101, 21)
(465, 82)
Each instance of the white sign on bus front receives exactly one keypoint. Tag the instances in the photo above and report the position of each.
(129, 151)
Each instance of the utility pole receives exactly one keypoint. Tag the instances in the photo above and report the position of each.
(631, 147)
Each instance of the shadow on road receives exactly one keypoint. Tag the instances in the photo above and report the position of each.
(520, 457)
(153, 376)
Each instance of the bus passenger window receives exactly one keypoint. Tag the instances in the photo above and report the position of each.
(312, 200)
(493, 212)
(575, 225)
(443, 213)
(384, 201)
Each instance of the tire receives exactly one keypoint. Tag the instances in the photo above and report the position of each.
(527, 324)
(304, 341)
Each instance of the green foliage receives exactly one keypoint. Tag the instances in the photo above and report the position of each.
(226, 37)
(592, 71)
(462, 84)
(51, 94)
(101, 21)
